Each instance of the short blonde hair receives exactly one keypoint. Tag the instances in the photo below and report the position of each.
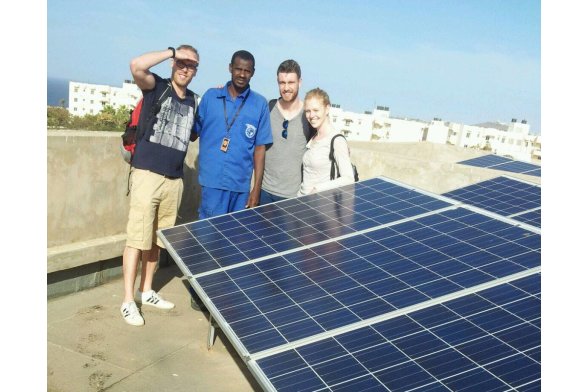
(319, 94)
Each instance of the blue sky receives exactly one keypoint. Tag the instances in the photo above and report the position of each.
(464, 61)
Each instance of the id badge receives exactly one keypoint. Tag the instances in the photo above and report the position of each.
(225, 145)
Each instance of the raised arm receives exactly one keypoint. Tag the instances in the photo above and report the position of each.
(140, 67)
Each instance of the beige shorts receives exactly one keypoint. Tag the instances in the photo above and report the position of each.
(155, 201)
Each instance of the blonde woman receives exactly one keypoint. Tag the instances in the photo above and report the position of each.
(316, 165)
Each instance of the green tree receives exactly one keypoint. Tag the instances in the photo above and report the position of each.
(111, 119)
(86, 122)
(57, 117)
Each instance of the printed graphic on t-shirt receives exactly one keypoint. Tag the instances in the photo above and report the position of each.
(173, 125)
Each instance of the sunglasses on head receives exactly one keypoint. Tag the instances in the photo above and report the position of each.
(285, 130)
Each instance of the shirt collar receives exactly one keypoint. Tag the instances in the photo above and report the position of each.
(224, 92)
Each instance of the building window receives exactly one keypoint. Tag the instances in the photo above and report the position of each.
(76, 89)
(75, 100)
(91, 101)
(75, 109)
(467, 135)
(92, 91)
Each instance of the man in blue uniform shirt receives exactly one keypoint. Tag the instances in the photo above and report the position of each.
(233, 126)
(234, 129)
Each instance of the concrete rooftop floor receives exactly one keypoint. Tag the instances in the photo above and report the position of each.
(91, 348)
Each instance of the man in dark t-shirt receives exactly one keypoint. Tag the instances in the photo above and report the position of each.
(157, 169)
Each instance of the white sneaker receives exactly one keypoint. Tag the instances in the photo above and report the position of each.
(152, 298)
(131, 314)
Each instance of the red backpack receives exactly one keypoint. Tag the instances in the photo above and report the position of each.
(133, 133)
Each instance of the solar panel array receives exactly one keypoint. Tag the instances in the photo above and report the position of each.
(501, 163)
(372, 285)
(506, 196)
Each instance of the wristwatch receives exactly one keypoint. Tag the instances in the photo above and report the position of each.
(173, 52)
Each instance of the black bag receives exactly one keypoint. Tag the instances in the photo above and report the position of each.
(334, 163)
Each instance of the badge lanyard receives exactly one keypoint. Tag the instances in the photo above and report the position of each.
(225, 144)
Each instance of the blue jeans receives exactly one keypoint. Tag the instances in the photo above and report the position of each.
(266, 197)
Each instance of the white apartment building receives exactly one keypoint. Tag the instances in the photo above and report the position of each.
(376, 126)
(511, 140)
(86, 98)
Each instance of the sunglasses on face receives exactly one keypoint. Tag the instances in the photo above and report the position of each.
(285, 130)
(190, 66)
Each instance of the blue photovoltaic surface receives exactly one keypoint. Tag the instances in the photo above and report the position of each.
(487, 341)
(301, 268)
(532, 218)
(286, 298)
(486, 161)
(500, 163)
(505, 196)
(227, 240)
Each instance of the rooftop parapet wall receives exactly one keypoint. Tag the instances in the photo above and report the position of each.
(87, 205)
(87, 202)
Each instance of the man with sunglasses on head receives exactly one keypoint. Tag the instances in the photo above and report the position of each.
(166, 122)
(283, 161)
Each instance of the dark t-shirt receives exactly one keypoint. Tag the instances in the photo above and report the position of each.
(166, 136)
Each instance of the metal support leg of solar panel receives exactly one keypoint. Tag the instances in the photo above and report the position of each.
(371, 286)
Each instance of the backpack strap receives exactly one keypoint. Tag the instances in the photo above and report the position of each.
(166, 93)
(332, 157)
(135, 118)
(272, 103)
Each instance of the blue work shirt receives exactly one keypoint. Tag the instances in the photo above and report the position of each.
(230, 170)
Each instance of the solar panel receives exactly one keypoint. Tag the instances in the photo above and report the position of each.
(532, 218)
(501, 163)
(489, 340)
(506, 196)
(371, 253)
(250, 234)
